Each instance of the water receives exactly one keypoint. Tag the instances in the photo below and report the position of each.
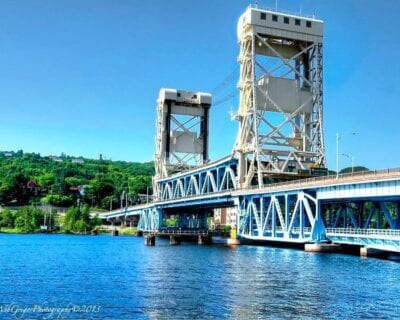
(107, 277)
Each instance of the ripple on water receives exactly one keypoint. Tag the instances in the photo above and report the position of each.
(130, 281)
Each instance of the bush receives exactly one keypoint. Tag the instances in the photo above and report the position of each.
(7, 219)
(59, 200)
(28, 219)
(77, 220)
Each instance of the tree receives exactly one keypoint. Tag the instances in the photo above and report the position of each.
(46, 180)
(59, 200)
(139, 184)
(98, 189)
(78, 220)
(71, 216)
(75, 182)
(12, 188)
(29, 219)
(96, 221)
(7, 219)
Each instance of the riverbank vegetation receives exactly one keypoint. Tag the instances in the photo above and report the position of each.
(63, 181)
(32, 220)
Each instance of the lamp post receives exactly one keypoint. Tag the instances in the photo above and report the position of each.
(338, 137)
(351, 158)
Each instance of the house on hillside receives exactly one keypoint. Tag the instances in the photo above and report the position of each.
(78, 160)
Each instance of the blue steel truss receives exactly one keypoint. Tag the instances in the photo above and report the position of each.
(216, 177)
(283, 216)
(359, 209)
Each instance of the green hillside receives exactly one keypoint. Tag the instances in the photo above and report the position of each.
(29, 178)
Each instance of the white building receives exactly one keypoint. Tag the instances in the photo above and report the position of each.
(225, 216)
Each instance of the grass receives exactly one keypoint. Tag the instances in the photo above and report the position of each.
(15, 230)
(128, 231)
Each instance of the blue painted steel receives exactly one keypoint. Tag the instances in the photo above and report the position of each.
(296, 212)
(217, 177)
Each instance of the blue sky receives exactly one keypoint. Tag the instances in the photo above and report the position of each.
(82, 76)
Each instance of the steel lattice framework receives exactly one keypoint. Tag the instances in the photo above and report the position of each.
(280, 110)
(182, 132)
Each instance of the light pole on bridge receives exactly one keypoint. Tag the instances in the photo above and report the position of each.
(351, 158)
(338, 137)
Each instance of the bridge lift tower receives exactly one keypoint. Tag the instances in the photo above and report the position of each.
(182, 131)
(280, 110)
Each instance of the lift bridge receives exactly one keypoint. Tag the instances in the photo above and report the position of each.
(276, 176)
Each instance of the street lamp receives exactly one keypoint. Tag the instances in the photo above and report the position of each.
(338, 137)
(351, 158)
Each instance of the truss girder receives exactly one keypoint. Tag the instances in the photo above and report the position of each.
(282, 217)
(150, 219)
(362, 214)
(200, 182)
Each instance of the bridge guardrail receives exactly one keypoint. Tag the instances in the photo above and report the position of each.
(364, 232)
(293, 230)
(186, 232)
(196, 195)
(344, 177)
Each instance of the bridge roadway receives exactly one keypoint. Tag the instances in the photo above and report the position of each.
(359, 209)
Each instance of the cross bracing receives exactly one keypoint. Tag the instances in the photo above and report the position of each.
(280, 111)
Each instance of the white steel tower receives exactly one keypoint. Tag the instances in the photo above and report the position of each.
(182, 131)
(280, 112)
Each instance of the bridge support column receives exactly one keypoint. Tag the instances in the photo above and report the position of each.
(370, 252)
(139, 233)
(207, 239)
(174, 240)
(233, 240)
(318, 233)
(322, 247)
(150, 240)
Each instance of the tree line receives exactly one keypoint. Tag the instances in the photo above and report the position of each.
(64, 181)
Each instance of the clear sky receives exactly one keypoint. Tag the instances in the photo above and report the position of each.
(82, 76)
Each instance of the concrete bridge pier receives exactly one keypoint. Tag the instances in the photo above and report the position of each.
(322, 247)
(174, 240)
(139, 233)
(204, 239)
(371, 252)
(150, 240)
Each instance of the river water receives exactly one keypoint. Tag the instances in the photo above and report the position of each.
(104, 277)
